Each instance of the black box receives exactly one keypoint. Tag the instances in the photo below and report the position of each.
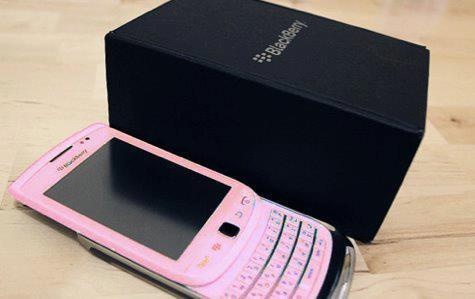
(315, 114)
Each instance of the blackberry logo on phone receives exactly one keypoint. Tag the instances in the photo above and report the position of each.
(283, 41)
(67, 164)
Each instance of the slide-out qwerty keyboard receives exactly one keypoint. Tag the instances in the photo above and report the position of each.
(285, 263)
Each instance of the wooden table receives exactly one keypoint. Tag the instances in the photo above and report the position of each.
(52, 82)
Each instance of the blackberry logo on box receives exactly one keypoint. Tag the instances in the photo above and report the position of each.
(262, 57)
(284, 39)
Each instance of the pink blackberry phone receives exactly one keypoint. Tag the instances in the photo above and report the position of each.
(191, 230)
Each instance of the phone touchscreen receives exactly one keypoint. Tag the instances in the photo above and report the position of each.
(144, 197)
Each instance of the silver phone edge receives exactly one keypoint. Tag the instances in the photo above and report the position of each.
(342, 288)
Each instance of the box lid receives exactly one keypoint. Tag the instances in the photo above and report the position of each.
(363, 72)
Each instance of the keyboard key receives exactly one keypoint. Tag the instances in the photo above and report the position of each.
(258, 258)
(287, 282)
(276, 220)
(304, 243)
(308, 226)
(272, 231)
(264, 286)
(282, 256)
(246, 278)
(292, 273)
(302, 252)
(320, 242)
(285, 247)
(291, 228)
(276, 265)
(256, 294)
(271, 274)
(253, 268)
(292, 219)
(318, 252)
(264, 249)
(306, 235)
(289, 238)
(297, 263)
(269, 240)
(277, 213)
(281, 292)
(237, 288)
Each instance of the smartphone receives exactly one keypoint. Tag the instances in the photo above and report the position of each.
(195, 232)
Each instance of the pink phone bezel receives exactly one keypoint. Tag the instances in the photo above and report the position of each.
(198, 264)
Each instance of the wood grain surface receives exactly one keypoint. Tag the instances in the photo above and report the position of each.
(52, 82)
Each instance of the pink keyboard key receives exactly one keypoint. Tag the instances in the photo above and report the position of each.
(246, 278)
(291, 228)
(271, 274)
(292, 273)
(264, 286)
(282, 256)
(269, 240)
(293, 220)
(306, 235)
(285, 247)
(302, 252)
(277, 213)
(281, 292)
(272, 231)
(259, 258)
(275, 222)
(276, 265)
(304, 243)
(288, 238)
(288, 282)
(255, 293)
(237, 288)
(264, 249)
(253, 268)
